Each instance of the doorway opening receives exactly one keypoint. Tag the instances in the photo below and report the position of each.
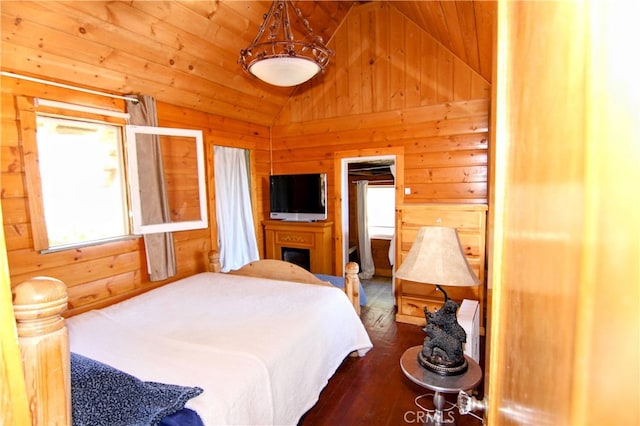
(369, 223)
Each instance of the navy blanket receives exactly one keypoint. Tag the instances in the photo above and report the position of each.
(103, 395)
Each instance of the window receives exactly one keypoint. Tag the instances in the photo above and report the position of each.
(82, 180)
(175, 158)
(381, 210)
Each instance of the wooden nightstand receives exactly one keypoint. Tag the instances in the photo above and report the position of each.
(470, 224)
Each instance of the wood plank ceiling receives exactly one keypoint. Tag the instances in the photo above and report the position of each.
(185, 52)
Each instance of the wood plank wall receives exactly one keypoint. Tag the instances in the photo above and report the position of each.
(445, 148)
(380, 254)
(383, 62)
(103, 274)
(397, 89)
(131, 46)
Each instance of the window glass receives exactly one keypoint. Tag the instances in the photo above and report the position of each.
(381, 210)
(82, 177)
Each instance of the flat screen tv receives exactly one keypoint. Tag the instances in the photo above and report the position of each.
(298, 197)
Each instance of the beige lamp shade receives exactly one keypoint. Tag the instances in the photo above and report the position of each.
(436, 257)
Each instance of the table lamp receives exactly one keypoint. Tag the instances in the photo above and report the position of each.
(436, 257)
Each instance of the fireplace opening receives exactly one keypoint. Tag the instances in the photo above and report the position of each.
(301, 257)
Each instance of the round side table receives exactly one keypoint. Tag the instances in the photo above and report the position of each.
(466, 381)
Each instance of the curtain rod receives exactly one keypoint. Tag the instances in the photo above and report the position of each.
(376, 181)
(385, 166)
(82, 108)
(67, 86)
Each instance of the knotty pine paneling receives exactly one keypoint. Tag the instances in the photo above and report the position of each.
(105, 41)
(101, 289)
(224, 131)
(14, 210)
(380, 254)
(389, 55)
(445, 148)
(391, 84)
(384, 62)
(103, 274)
(463, 27)
(444, 131)
(17, 235)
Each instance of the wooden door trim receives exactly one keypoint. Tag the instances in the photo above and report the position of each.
(338, 157)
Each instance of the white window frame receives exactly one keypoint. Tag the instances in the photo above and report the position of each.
(134, 182)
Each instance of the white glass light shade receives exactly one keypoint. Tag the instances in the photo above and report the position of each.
(284, 71)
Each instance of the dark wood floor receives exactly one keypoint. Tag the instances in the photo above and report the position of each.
(373, 390)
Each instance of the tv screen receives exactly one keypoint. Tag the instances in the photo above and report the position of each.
(298, 197)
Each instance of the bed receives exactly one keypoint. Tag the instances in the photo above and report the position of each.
(260, 349)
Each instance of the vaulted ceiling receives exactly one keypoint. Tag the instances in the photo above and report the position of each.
(185, 52)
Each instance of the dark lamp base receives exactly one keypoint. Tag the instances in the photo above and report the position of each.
(437, 365)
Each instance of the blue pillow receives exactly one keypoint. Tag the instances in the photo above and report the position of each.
(184, 417)
(103, 395)
(339, 282)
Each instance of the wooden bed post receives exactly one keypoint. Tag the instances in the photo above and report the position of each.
(214, 261)
(44, 344)
(352, 285)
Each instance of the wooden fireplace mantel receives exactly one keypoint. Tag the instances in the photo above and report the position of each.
(313, 236)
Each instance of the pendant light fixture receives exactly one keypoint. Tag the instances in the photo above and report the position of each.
(276, 57)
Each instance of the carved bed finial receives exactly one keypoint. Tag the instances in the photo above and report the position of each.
(38, 305)
(214, 261)
(352, 284)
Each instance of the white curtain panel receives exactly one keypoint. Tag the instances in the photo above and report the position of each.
(236, 233)
(367, 268)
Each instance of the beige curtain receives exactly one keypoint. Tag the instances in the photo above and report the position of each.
(161, 259)
(367, 267)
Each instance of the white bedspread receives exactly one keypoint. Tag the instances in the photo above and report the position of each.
(262, 350)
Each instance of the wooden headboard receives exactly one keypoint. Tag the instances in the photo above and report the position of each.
(286, 271)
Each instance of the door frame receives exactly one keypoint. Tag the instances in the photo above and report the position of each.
(341, 160)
